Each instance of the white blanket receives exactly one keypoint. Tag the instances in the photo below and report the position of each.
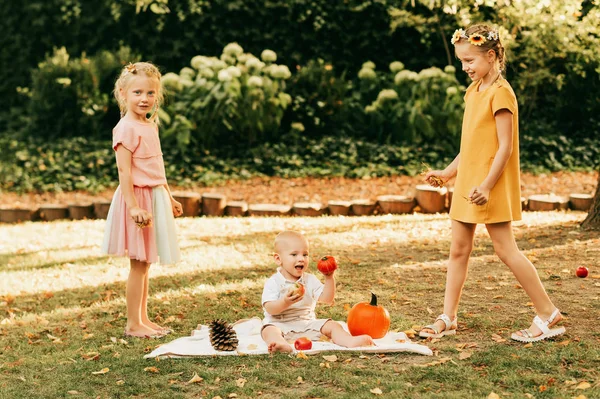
(251, 343)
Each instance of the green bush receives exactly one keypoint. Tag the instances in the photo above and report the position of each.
(72, 97)
(235, 100)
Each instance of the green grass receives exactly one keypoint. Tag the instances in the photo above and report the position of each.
(63, 307)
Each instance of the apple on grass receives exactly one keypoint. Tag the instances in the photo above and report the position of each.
(581, 271)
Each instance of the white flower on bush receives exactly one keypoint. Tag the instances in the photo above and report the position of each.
(216, 64)
(224, 76)
(369, 65)
(430, 73)
(200, 61)
(449, 69)
(285, 99)
(405, 75)
(185, 82)
(186, 72)
(396, 66)
(298, 126)
(234, 71)
(367, 74)
(242, 58)
(206, 73)
(387, 95)
(64, 82)
(229, 60)
(171, 81)
(268, 56)
(254, 64)
(233, 49)
(255, 81)
(451, 91)
(280, 72)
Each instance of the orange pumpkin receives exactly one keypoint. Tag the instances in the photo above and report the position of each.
(327, 264)
(369, 318)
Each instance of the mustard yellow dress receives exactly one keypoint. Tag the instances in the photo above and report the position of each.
(478, 147)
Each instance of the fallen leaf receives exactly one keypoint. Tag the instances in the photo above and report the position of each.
(151, 369)
(103, 371)
(301, 355)
(543, 388)
(498, 338)
(195, 379)
(429, 310)
(300, 380)
(73, 392)
(120, 382)
(113, 340)
(464, 355)
(331, 358)
(583, 385)
(376, 391)
(493, 395)
(252, 347)
(232, 395)
(88, 336)
(564, 343)
(529, 345)
(240, 382)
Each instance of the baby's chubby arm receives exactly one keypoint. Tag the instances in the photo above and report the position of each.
(328, 294)
(280, 305)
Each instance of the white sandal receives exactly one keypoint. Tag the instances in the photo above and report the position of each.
(450, 328)
(527, 335)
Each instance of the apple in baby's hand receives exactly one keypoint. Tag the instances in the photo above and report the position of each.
(303, 344)
(296, 289)
(581, 271)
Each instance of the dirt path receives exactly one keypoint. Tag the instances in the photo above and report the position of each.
(288, 191)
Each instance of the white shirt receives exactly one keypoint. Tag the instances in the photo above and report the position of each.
(277, 286)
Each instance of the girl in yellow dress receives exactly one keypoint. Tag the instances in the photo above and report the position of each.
(487, 188)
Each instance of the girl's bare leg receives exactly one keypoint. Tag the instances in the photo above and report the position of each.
(144, 312)
(526, 274)
(340, 337)
(460, 250)
(138, 272)
(275, 341)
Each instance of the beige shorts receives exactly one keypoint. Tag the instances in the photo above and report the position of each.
(292, 330)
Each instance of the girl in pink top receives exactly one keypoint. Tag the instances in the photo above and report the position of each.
(140, 222)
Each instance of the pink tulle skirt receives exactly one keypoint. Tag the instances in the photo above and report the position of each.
(122, 237)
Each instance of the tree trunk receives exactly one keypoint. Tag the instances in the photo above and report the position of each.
(592, 222)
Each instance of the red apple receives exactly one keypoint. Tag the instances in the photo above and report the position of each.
(581, 271)
(327, 264)
(303, 344)
(297, 289)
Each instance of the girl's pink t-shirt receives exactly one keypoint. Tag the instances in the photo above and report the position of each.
(141, 139)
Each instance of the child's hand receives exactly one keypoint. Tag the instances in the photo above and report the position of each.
(479, 195)
(140, 216)
(292, 297)
(436, 178)
(177, 208)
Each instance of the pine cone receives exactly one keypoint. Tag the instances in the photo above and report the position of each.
(222, 336)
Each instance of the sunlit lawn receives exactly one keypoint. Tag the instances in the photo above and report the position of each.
(63, 307)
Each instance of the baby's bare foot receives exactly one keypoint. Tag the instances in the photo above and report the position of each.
(361, 340)
(280, 347)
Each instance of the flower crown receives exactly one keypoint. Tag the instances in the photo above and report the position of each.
(476, 39)
(130, 68)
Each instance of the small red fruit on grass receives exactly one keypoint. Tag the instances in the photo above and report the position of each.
(581, 271)
(303, 344)
(327, 264)
(297, 289)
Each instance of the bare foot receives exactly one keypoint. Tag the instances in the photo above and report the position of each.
(535, 330)
(141, 331)
(159, 329)
(280, 347)
(360, 340)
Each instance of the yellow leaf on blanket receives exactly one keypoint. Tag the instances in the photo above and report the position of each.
(103, 371)
(252, 347)
(376, 391)
(195, 379)
(400, 340)
(324, 338)
(331, 358)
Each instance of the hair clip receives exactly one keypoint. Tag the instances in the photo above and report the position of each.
(130, 68)
(457, 35)
(475, 39)
(492, 35)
